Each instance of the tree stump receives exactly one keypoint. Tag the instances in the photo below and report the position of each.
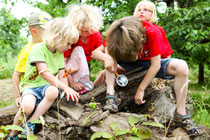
(65, 120)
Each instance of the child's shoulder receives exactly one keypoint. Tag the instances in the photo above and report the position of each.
(38, 46)
(150, 28)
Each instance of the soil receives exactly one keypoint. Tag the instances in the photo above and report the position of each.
(6, 93)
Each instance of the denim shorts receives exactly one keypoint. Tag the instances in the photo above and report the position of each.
(145, 64)
(38, 92)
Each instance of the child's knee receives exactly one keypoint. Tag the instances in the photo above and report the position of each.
(28, 108)
(183, 68)
(52, 92)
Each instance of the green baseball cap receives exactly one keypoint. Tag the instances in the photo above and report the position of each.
(40, 19)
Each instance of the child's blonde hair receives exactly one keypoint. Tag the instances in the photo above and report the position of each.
(125, 38)
(86, 16)
(60, 29)
(150, 6)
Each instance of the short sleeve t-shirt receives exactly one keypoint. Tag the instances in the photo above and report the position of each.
(153, 44)
(93, 42)
(166, 48)
(40, 53)
(22, 57)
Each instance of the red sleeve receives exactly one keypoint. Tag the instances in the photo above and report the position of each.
(167, 46)
(99, 40)
(67, 53)
(153, 42)
(104, 43)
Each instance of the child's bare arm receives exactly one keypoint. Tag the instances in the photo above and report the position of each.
(50, 78)
(101, 55)
(16, 81)
(152, 71)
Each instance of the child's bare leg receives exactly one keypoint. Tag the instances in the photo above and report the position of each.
(100, 78)
(179, 69)
(51, 94)
(28, 105)
(110, 80)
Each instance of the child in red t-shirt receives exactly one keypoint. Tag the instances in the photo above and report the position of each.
(88, 20)
(125, 46)
(146, 11)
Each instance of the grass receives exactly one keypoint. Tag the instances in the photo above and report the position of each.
(7, 66)
(201, 103)
(5, 103)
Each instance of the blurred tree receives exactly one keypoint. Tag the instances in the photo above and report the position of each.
(188, 29)
(189, 34)
(11, 40)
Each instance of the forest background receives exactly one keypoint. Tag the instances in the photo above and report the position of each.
(186, 22)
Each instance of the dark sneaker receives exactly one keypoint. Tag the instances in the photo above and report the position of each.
(31, 128)
(112, 103)
(14, 137)
(188, 124)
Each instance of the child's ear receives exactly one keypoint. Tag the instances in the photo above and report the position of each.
(33, 31)
(55, 39)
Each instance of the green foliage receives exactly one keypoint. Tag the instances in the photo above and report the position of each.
(11, 39)
(8, 64)
(36, 121)
(5, 103)
(4, 130)
(155, 124)
(92, 105)
(188, 32)
(133, 133)
(87, 118)
(133, 120)
(113, 125)
(201, 104)
(54, 7)
(101, 135)
(95, 69)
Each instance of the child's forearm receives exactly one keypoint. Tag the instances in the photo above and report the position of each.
(16, 81)
(99, 53)
(51, 79)
(152, 71)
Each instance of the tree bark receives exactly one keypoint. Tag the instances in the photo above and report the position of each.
(201, 73)
(170, 3)
(189, 3)
(180, 4)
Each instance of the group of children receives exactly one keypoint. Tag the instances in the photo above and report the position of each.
(64, 46)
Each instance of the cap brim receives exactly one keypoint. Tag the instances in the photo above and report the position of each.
(43, 26)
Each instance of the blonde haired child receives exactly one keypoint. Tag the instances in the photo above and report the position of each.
(146, 11)
(88, 20)
(40, 87)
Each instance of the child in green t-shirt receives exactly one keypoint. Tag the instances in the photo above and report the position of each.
(40, 87)
(36, 26)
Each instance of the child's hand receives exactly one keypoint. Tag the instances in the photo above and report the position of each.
(74, 70)
(72, 93)
(77, 86)
(139, 97)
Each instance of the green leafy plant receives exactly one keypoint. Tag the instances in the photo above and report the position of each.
(133, 133)
(4, 130)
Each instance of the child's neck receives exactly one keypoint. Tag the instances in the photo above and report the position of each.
(84, 39)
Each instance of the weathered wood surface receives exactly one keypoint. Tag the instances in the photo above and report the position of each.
(65, 120)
